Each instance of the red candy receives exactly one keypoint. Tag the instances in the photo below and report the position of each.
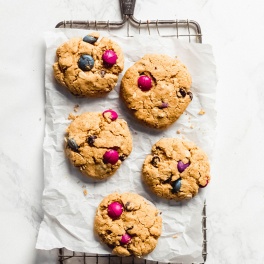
(113, 114)
(115, 209)
(111, 156)
(204, 185)
(109, 57)
(144, 83)
(125, 239)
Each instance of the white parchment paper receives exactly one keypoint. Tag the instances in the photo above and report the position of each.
(68, 213)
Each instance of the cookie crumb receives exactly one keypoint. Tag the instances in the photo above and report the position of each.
(175, 236)
(178, 131)
(191, 126)
(202, 112)
(76, 108)
(71, 116)
(85, 192)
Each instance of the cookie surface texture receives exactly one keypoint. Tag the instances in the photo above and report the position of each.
(169, 95)
(176, 169)
(96, 144)
(96, 78)
(139, 222)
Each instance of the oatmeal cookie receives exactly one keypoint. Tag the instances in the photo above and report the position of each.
(128, 224)
(176, 169)
(97, 143)
(89, 66)
(157, 89)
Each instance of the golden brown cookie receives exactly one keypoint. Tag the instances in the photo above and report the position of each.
(157, 89)
(176, 169)
(128, 224)
(97, 143)
(89, 66)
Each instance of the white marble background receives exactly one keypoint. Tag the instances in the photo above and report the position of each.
(235, 199)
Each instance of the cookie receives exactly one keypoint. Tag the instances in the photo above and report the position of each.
(97, 143)
(176, 169)
(128, 224)
(89, 67)
(157, 90)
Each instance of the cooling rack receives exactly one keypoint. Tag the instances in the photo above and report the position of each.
(188, 30)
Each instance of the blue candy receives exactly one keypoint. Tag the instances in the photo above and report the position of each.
(90, 39)
(86, 62)
(176, 185)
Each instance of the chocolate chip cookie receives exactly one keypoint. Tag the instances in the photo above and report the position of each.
(157, 89)
(128, 224)
(176, 169)
(89, 66)
(97, 143)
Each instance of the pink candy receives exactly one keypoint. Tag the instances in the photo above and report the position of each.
(125, 239)
(111, 113)
(111, 156)
(144, 83)
(115, 209)
(109, 57)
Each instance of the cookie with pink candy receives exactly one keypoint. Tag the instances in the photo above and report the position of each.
(128, 223)
(97, 143)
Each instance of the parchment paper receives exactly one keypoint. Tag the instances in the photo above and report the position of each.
(68, 212)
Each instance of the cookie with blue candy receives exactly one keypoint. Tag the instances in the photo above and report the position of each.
(98, 143)
(89, 66)
(176, 169)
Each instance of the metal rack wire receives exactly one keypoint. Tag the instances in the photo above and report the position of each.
(188, 30)
(69, 257)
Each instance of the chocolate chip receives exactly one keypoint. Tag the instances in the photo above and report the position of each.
(182, 92)
(190, 94)
(72, 144)
(102, 73)
(91, 140)
(155, 161)
(122, 157)
(129, 206)
(163, 105)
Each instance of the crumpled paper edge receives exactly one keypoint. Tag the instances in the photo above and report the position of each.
(54, 231)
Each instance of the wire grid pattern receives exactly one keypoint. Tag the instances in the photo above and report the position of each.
(188, 30)
(69, 257)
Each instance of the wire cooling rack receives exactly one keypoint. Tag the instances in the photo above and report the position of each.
(188, 30)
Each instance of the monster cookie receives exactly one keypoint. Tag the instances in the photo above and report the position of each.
(176, 169)
(97, 143)
(89, 67)
(128, 224)
(157, 89)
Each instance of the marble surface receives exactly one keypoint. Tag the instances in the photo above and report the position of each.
(235, 199)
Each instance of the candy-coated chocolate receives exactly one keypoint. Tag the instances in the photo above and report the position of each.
(114, 210)
(144, 83)
(125, 239)
(111, 156)
(109, 57)
(89, 39)
(86, 62)
(163, 105)
(203, 186)
(176, 185)
(181, 166)
(72, 144)
(113, 114)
